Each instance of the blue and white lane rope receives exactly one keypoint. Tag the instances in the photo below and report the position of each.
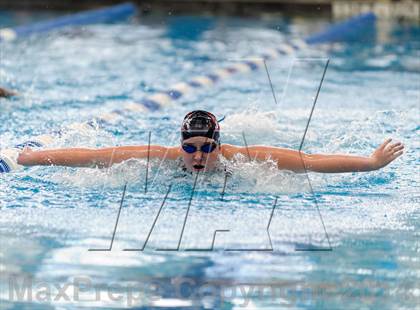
(163, 99)
(8, 157)
(107, 14)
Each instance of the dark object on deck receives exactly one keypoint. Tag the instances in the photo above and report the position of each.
(5, 93)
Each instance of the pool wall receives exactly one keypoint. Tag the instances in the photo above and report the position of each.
(407, 9)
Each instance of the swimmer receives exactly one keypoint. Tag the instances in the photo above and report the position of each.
(5, 93)
(200, 150)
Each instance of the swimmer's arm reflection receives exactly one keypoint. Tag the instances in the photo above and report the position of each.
(101, 158)
(297, 162)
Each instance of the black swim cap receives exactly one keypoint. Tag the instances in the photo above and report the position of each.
(200, 124)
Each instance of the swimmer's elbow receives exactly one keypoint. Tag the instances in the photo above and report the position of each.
(295, 161)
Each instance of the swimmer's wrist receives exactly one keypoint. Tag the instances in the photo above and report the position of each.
(27, 158)
(374, 164)
(23, 159)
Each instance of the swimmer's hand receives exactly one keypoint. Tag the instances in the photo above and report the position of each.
(25, 157)
(386, 153)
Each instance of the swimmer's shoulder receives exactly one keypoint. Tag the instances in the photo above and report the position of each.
(174, 152)
(229, 150)
(168, 152)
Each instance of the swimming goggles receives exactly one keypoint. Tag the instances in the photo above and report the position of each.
(205, 148)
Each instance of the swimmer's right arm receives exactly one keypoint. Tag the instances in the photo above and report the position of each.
(84, 157)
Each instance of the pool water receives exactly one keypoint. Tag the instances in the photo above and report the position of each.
(352, 243)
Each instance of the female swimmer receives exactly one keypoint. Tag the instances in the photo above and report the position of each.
(200, 149)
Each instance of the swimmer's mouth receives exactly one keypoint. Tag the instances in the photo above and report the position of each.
(198, 167)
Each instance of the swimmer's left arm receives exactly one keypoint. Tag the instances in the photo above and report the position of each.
(291, 160)
(382, 156)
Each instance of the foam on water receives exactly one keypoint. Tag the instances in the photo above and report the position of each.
(254, 124)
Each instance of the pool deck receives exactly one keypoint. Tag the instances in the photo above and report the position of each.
(409, 9)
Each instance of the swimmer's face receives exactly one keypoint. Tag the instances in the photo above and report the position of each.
(199, 160)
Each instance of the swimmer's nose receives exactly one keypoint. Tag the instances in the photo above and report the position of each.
(198, 155)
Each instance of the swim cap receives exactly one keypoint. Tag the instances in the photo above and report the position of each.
(200, 124)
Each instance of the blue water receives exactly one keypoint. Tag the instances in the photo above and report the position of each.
(52, 216)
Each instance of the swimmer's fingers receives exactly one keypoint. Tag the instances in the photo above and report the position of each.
(391, 149)
(398, 154)
(398, 151)
(383, 145)
(395, 152)
(382, 150)
(397, 148)
(390, 146)
(386, 153)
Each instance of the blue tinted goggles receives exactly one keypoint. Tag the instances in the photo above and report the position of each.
(205, 148)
